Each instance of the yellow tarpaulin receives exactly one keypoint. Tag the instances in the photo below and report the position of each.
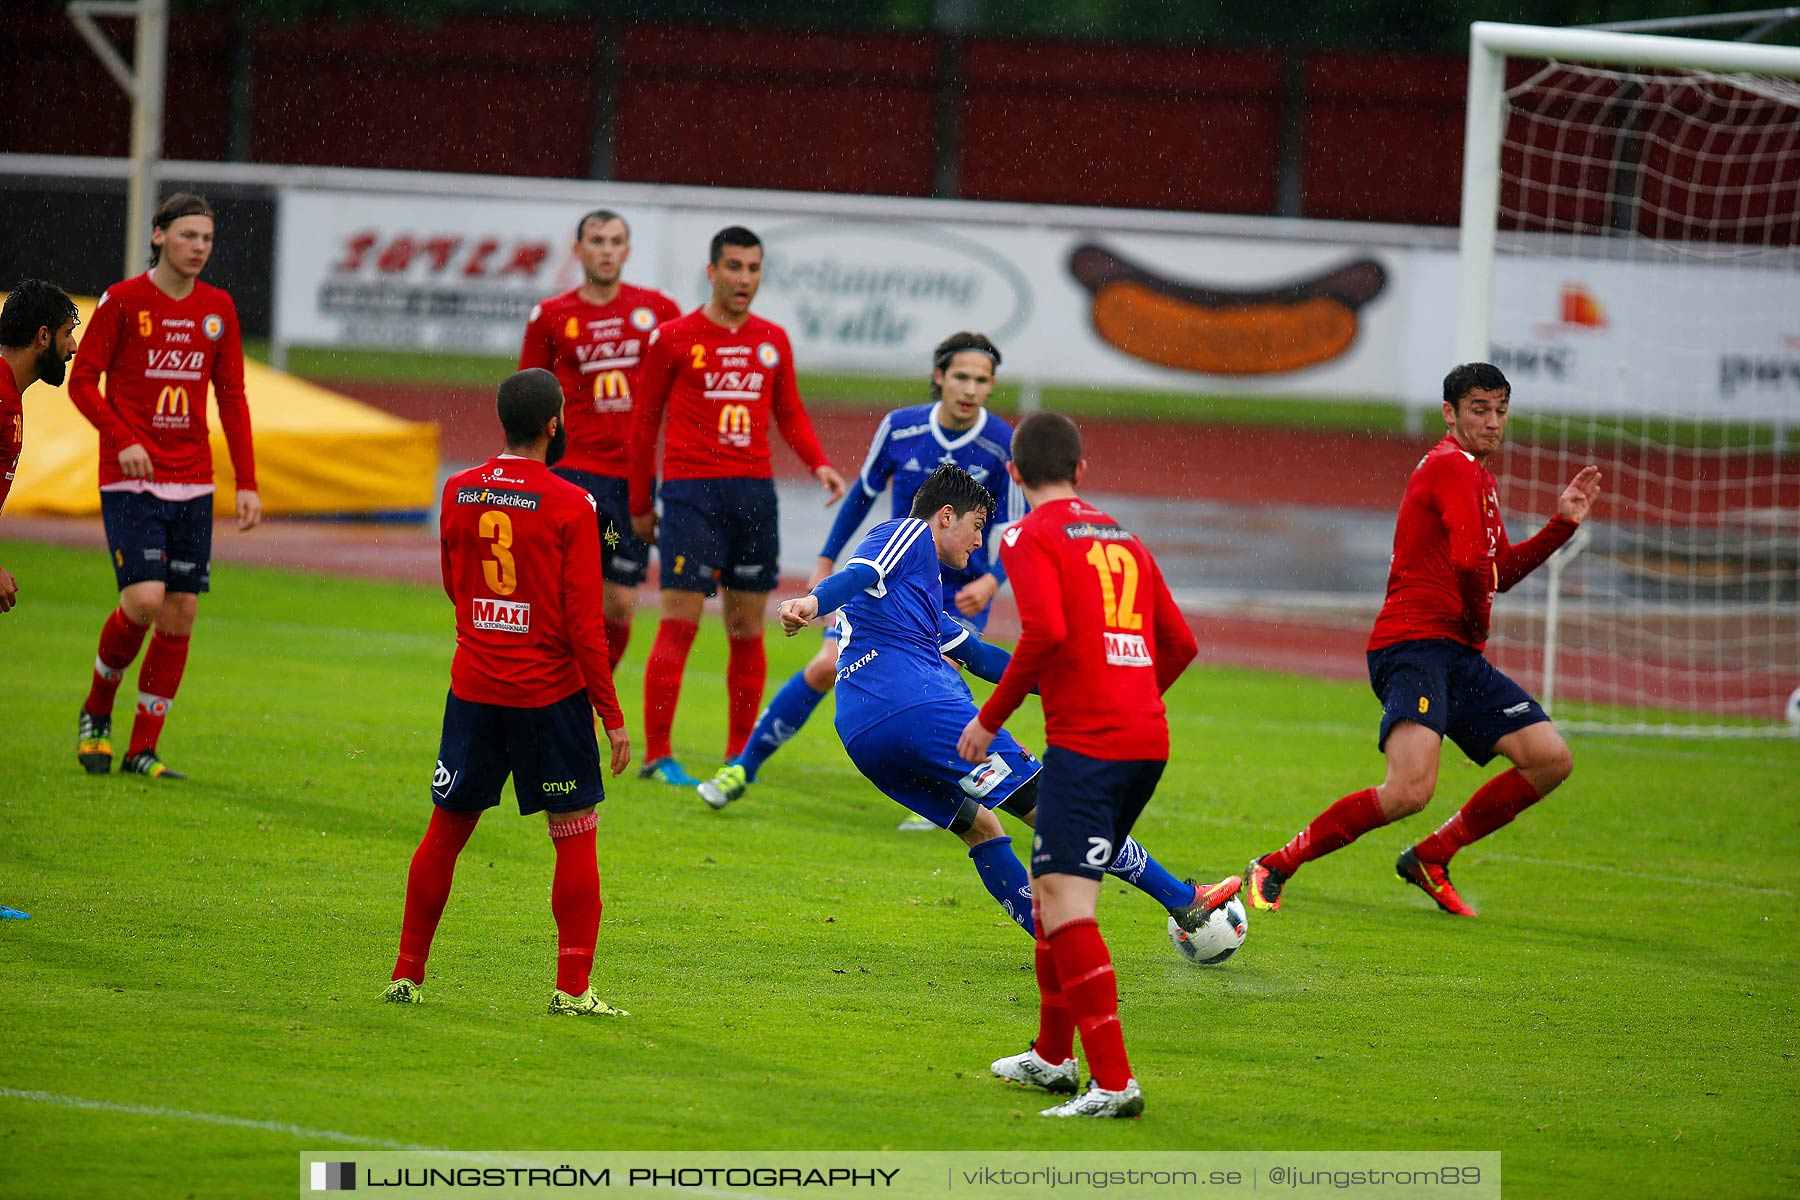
(316, 452)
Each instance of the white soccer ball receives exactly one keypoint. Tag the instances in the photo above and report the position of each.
(1793, 711)
(1215, 941)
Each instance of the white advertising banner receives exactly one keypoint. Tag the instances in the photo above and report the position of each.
(1144, 311)
(1678, 338)
(389, 271)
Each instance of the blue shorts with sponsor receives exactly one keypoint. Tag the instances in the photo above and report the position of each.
(168, 541)
(719, 533)
(1086, 808)
(1451, 689)
(911, 757)
(550, 752)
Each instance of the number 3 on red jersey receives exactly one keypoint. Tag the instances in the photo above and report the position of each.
(501, 573)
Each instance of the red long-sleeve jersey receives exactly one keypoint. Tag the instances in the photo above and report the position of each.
(594, 351)
(721, 387)
(1101, 637)
(159, 355)
(1451, 553)
(521, 562)
(12, 429)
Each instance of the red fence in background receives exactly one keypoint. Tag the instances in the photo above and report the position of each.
(1377, 137)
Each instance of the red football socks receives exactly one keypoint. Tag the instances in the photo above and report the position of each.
(1085, 970)
(158, 680)
(618, 636)
(1056, 1025)
(1332, 829)
(120, 640)
(428, 888)
(662, 683)
(575, 902)
(1494, 805)
(745, 673)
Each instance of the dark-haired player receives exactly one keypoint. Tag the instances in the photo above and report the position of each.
(592, 338)
(521, 562)
(160, 339)
(1451, 554)
(1101, 640)
(723, 374)
(901, 706)
(955, 429)
(37, 340)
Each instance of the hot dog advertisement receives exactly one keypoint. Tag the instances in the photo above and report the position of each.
(1189, 325)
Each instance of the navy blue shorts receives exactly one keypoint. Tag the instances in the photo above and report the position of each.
(912, 759)
(719, 533)
(624, 558)
(550, 752)
(1452, 690)
(169, 541)
(1086, 808)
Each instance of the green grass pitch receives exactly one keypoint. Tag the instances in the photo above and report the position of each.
(1620, 1022)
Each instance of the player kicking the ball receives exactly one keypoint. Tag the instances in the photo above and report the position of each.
(901, 706)
(1425, 662)
(1101, 641)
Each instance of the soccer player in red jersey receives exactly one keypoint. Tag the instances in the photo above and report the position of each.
(722, 373)
(37, 340)
(592, 337)
(1451, 554)
(521, 562)
(1101, 640)
(160, 339)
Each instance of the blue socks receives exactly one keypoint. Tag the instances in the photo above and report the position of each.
(781, 720)
(1004, 877)
(1135, 866)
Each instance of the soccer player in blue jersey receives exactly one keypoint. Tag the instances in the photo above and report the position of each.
(955, 429)
(901, 706)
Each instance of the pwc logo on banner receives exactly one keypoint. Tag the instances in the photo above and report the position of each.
(506, 616)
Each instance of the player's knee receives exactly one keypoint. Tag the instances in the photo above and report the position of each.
(821, 672)
(976, 824)
(1406, 795)
(1554, 766)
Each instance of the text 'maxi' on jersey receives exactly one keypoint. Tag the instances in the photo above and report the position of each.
(1101, 638)
(1451, 553)
(594, 350)
(894, 633)
(159, 356)
(721, 388)
(521, 561)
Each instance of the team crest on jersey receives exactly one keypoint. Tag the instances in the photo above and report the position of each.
(1011, 536)
(768, 355)
(642, 318)
(213, 326)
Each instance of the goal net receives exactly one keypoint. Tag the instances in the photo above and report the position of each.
(1639, 266)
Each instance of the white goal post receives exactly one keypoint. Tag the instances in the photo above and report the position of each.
(1630, 255)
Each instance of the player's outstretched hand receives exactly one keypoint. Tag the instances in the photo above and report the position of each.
(975, 594)
(975, 740)
(1578, 498)
(134, 462)
(832, 482)
(796, 614)
(249, 510)
(9, 590)
(644, 525)
(621, 749)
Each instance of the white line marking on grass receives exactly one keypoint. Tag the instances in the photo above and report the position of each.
(147, 1110)
(1682, 880)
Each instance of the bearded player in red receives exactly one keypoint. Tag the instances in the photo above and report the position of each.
(723, 374)
(1425, 663)
(1101, 640)
(521, 562)
(160, 338)
(592, 337)
(37, 340)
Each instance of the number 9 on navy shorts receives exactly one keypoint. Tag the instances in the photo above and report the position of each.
(1086, 808)
(550, 752)
(1452, 690)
